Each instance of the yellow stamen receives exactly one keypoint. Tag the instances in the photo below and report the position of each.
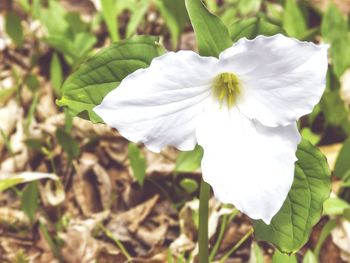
(226, 86)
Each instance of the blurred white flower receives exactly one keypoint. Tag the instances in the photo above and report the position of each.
(241, 108)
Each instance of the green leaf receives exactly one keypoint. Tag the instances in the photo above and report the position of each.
(10, 180)
(189, 185)
(32, 82)
(137, 163)
(309, 135)
(279, 257)
(109, 13)
(211, 34)
(138, 10)
(13, 28)
(82, 44)
(274, 11)
(175, 16)
(293, 20)
(256, 255)
(252, 27)
(189, 161)
(50, 241)
(249, 6)
(334, 206)
(53, 18)
(334, 30)
(310, 257)
(25, 5)
(342, 164)
(86, 87)
(68, 143)
(291, 226)
(334, 108)
(31, 112)
(56, 74)
(326, 230)
(29, 200)
(334, 25)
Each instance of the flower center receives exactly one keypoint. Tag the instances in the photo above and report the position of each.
(226, 88)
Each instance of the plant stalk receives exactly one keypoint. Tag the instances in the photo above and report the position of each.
(203, 222)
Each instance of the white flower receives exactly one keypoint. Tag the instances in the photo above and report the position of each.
(241, 108)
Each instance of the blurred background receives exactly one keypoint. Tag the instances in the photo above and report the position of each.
(73, 191)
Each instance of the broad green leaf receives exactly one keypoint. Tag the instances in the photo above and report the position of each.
(29, 200)
(291, 226)
(310, 257)
(109, 13)
(334, 206)
(342, 164)
(68, 143)
(9, 180)
(252, 27)
(137, 163)
(175, 16)
(189, 161)
(211, 34)
(56, 74)
(189, 185)
(293, 20)
(86, 87)
(279, 257)
(14, 28)
(256, 255)
(334, 30)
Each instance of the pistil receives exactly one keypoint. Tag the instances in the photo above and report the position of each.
(226, 88)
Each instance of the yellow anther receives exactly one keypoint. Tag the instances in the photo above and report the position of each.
(226, 87)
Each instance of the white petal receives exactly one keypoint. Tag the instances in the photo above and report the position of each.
(159, 105)
(247, 164)
(282, 78)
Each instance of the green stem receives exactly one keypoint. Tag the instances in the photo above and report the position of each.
(203, 222)
(225, 220)
(117, 242)
(235, 247)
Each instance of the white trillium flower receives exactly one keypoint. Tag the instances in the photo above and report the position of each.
(241, 108)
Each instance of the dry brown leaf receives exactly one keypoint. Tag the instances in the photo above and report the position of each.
(181, 244)
(84, 190)
(9, 116)
(124, 225)
(13, 217)
(104, 185)
(341, 237)
(79, 244)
